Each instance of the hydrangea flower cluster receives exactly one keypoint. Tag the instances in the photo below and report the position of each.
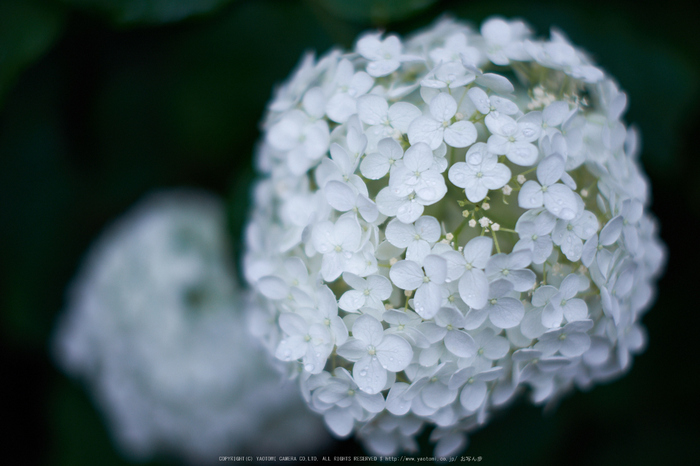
(445, 220)
(156, 328)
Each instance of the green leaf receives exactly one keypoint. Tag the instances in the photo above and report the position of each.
(28, 28)
(374, 11)
(133, 12)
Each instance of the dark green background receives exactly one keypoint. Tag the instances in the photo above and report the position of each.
(103, 101)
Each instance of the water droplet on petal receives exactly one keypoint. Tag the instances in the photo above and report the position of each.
(363, 373)
(309, 367)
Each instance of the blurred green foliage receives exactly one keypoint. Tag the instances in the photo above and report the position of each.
(102, 101)
(139, 12)
(27, 29)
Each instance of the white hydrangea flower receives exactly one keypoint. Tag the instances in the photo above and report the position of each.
(473, 295)
(558, 198)
(156, 327)
(436, 127)
(374, 353)
(480, 174)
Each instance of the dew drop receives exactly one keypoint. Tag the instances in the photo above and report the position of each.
(309, 367)
(533, 200)
(287, 354)
(363, 373)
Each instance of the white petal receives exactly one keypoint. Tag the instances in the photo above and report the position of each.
(497, 177)
(504, 105)
(550, 169)
(382, 68)
(443, 107)
(367, 208)
(522, 280)
(427, 130)
(552, 316)
(561, 201)
(480, 99)
(372, 403)
(575, 344)
(531, 195)
(572, 247)
(401, 114)
(460, 134)
(292, 324)
(507, 313)
(389, 204)
(394, 353)
(368, 329)
(340, 195)
(323, 237)
(428, 228)
(273, 287)
(497, 348)
(555, 113)
(522, 153)
(460, 174)
(374, 166)
(576, 309)
(611, 231)
(408, 211)
(353, 349)
(339, 421)
(400, 234)
(340, 107)
(473, 288)
(437, 395)
(396, 404)
(428, 299)
(291, 349)
(435, 268)
(500, 124)
(495, 82)
(407, 275)
(599, 351)
(380, 286)
(586, 225)
(478, 250)
(339, 330)
(475, 317)
(352, 300)
(460, 343)
(589, 250)
(417, 251)
(372, 109)
(369, 375)
(473, 395)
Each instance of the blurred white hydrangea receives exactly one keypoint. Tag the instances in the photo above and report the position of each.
(445, 221)
(155, 326)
